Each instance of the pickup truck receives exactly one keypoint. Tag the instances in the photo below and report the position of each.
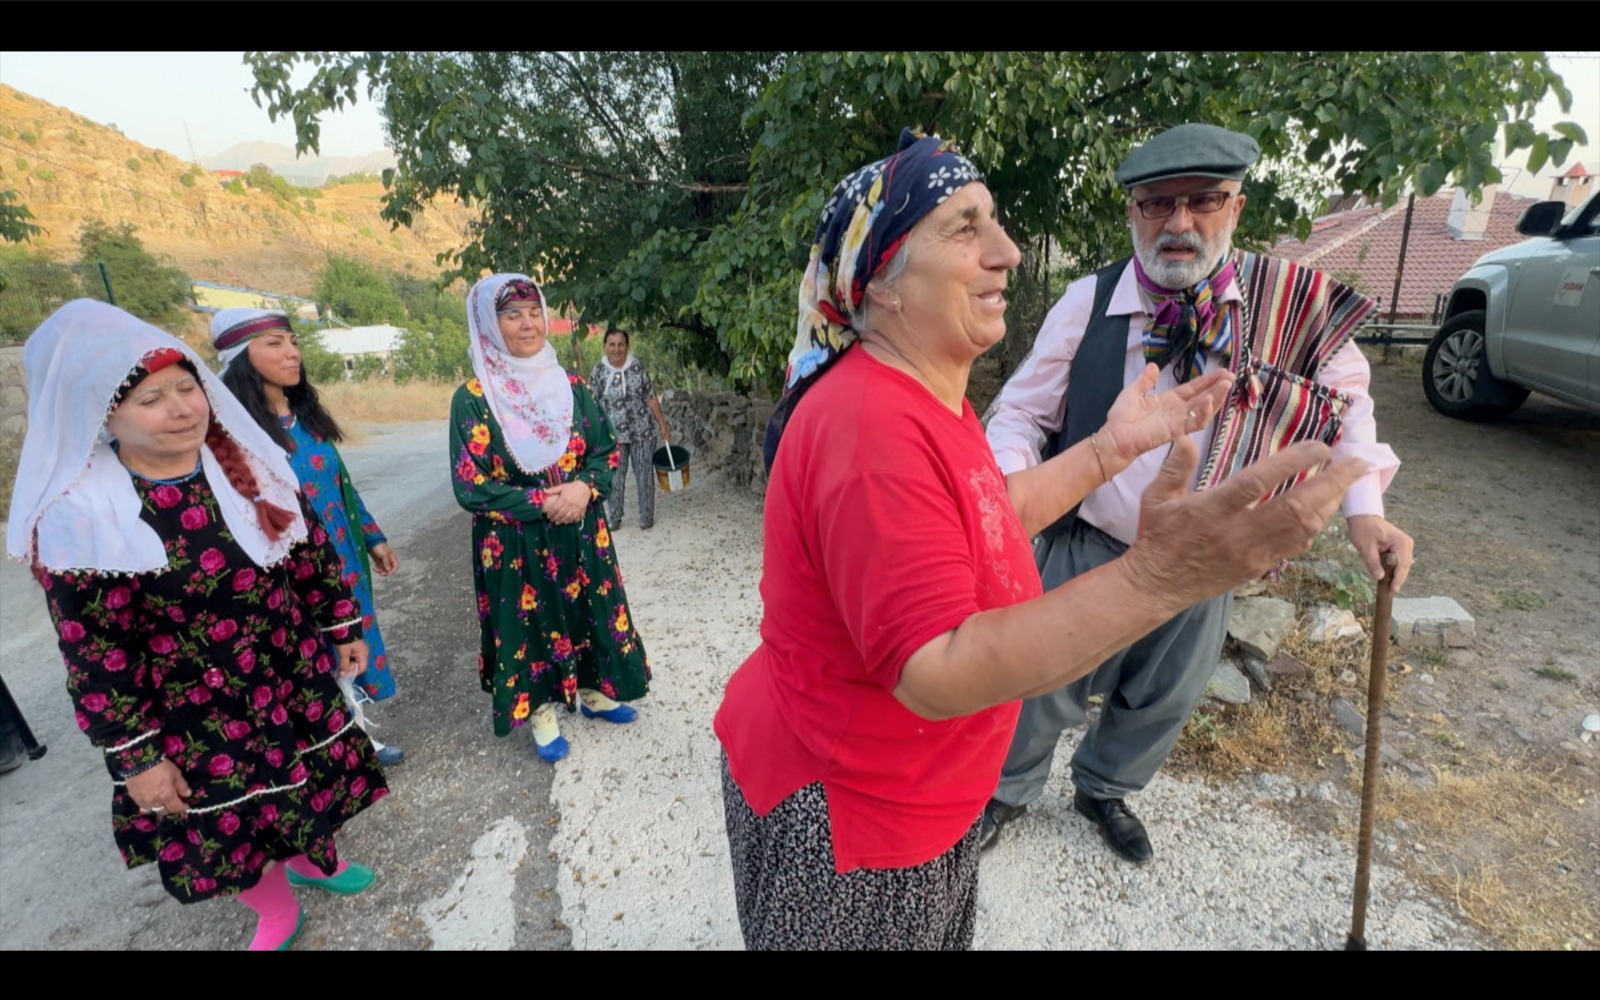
(1524, 318)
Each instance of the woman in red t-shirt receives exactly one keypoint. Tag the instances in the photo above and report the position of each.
(904, 618)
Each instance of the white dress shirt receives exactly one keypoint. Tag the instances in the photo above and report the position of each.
(1032, 406)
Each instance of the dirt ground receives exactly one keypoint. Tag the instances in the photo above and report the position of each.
(1492, 789)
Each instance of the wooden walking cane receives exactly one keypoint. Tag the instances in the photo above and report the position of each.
(1369, 777)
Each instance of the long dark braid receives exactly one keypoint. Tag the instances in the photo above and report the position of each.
(274, 520)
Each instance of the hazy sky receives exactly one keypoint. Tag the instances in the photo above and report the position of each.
(151, 96)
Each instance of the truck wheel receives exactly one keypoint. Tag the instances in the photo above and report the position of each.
(1456, 376)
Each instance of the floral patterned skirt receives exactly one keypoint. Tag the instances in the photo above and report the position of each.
(274, 764)
(553, 615)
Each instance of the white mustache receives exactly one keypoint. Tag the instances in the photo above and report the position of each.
(1183, 241)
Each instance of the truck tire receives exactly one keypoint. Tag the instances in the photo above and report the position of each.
(1456, 376)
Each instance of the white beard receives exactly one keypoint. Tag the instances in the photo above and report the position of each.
(1176, 275)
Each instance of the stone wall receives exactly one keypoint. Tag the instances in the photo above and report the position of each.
(13, 399)
(723, 431)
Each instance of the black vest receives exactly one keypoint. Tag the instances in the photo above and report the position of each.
(1095, 382)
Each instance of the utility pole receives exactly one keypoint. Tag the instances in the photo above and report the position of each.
(194, 158)
(1400, 269)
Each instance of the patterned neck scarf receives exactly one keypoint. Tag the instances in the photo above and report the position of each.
(865, 222)
(1188, 320)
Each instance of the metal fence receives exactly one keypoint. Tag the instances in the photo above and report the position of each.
(32, 287)
(1412, 330)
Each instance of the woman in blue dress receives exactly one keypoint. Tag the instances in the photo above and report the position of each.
(260, 357)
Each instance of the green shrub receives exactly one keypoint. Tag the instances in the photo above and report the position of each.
(7, 132)
(133, 164)
(235, 186)
(45, 174)
(187, 179)
(145, 285)
(29, 136)
(22, 164)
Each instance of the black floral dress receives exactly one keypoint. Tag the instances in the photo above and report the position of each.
(219, 666)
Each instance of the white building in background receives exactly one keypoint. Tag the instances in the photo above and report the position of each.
(354, 342)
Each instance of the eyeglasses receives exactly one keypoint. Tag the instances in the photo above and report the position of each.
(1163, 206)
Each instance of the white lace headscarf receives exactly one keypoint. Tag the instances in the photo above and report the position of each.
(531, 398)
(74, 506)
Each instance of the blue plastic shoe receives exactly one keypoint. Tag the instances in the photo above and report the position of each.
(554, 750)
(352, 880)
(619, 715)
(389, 756)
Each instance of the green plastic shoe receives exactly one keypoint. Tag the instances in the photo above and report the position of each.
(352, 880)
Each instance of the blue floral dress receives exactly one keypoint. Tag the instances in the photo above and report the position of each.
(319, 468)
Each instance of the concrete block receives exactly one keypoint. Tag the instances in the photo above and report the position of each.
(1430, 621)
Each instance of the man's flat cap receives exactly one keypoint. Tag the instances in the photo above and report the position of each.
(1191, 150)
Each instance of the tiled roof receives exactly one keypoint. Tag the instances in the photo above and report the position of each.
(1363, 246)
(1577, 171)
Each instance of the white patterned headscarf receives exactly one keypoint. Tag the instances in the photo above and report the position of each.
(74, 506)
(531, 398)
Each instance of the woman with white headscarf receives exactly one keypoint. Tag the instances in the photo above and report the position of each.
(532, 456)
(260, 355)
(191, 590)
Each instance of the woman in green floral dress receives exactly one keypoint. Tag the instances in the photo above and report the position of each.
(532, 456)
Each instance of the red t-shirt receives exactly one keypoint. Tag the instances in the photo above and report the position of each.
(887, 523)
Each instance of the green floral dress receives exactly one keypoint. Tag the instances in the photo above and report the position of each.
(551, 607)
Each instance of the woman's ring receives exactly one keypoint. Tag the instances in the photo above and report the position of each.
(156, 810)
(1191, 414)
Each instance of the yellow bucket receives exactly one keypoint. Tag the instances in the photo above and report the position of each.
(672, 467)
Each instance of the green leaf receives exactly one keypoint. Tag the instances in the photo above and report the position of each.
(1570, 130)
(1538, 155)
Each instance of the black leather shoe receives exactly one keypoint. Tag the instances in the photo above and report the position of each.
(995, 815)
(1121, 828)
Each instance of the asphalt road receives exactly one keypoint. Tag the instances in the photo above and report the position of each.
(459, 847)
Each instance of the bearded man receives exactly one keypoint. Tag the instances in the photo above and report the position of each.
(1185, 301)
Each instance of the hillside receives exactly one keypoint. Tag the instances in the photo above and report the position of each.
(67, 169)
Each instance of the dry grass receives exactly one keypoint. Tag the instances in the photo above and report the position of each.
(375, 401)
(1484, 819)
(1496, 823)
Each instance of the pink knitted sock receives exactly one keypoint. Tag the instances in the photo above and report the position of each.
(305, 869)
(277, 910)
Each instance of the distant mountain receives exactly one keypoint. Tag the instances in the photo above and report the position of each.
(309, 171)
(67, 169)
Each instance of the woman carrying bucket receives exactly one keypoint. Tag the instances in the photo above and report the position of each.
(623, 387)
(531, 455)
